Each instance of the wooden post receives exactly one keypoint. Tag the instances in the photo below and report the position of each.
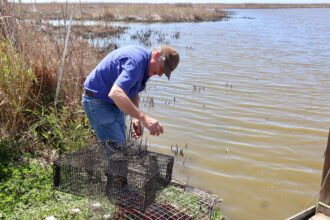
(325, 191)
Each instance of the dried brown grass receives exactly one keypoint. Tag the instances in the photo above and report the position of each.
(8, 23)
(44, 56)
(128, 12)
(32, 60)
(146, 12)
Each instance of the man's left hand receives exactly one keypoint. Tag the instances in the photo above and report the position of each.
(137, 129)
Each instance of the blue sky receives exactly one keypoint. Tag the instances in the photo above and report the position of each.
(191, 1)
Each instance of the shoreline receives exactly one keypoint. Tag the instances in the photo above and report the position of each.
(132, 13)
(124, 12)
(143, 12)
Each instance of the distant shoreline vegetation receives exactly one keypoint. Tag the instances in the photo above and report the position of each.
(125, 12)
(144, 12)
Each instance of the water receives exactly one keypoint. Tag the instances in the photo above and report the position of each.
(256, 125)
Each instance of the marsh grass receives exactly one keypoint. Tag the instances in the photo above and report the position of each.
(29, 64)
(141, 12)
(128, 12)
(16, 80)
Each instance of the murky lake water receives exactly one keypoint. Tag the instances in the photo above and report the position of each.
(252, 105)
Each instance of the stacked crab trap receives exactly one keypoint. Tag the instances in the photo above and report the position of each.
(136, 181)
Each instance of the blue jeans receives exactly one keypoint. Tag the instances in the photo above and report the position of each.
(106, 119)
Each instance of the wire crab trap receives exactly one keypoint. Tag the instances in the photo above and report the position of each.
(132, 182)
(176, 202)
(127, 175)
(81, 173)
(165, 166)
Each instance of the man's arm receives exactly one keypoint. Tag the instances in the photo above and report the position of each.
(137, 125)
(136, 101)
(128, 106)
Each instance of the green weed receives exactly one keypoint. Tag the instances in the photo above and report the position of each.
(26, 184)
(60, 129)
(16, 80)
(29, 194)
(217, 215)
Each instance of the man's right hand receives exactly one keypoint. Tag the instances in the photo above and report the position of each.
(152, 125)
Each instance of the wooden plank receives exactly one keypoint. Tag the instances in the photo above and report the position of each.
(323, 208)
(304, 215)
(325, 191)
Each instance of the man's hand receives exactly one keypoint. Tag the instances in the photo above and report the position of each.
(152, 125)
(137, 129)
(131, 107)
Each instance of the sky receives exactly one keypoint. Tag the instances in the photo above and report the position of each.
(186, 1)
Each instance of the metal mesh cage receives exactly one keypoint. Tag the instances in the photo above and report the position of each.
(177, 201)
(80, 173)
(128, 175)
(132, 181)
(165, 165)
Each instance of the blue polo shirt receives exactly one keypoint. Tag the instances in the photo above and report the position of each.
(126, 67)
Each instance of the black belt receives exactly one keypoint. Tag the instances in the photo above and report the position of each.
(89, 93)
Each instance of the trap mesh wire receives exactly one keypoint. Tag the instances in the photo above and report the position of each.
(127, 174)
(132, 183)
(165, 166)
(175, 202)
(80, 173)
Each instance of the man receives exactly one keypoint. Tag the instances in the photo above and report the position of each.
(112, 89)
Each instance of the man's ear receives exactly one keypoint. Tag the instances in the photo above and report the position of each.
(156, 55)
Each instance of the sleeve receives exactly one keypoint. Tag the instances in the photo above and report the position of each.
(127, 78)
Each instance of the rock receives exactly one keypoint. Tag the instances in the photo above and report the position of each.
(76, 210)
(106, 217)
(96, 206)
(50, 218)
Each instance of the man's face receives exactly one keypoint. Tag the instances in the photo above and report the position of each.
(156, 66)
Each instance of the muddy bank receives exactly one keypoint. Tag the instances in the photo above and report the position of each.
(107, 34)
(84, 31)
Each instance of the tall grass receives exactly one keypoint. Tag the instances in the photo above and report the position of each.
(130, 12)
(29, 63)
(16, 81)
(28, 116)
(8, 23)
